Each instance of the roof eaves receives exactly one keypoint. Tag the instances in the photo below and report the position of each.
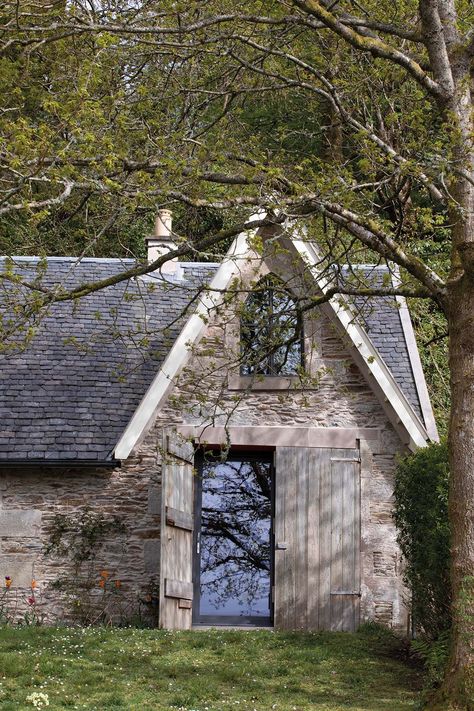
(76, 463)
(74, 260)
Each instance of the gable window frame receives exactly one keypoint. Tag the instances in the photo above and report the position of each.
(267, 366)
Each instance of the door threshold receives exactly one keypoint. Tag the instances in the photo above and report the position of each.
(236, 628)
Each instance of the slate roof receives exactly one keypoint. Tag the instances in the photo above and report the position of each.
(381, 319)
(384, 328)
(71, 392)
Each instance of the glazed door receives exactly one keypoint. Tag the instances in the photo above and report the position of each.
(233, 540)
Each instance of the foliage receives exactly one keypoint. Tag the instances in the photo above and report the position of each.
(103, 668)
(356, 120)
(434, 655)
(421, 516)
(133, 122)
(431, 329)
(78, 536)
(79, 539)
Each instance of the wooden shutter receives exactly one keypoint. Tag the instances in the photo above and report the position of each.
(177, 523)
(317, 538)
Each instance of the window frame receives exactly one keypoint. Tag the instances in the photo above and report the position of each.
(281, 380)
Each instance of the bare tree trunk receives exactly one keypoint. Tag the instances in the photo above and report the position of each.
(333, 148)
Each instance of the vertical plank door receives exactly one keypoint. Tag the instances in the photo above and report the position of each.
(317, 538)
(177, 523)
(345, 540)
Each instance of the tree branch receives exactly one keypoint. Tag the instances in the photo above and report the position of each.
(39, 204)
(433, 33)
(331, 95)
(187, 248)
(370, 234)
(375, 46)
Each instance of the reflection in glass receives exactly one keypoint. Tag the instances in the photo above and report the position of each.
(271, 332)
(235, 538)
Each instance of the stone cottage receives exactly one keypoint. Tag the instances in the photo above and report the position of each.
(208, 444)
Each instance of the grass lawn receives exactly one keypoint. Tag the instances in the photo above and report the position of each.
(150, 670)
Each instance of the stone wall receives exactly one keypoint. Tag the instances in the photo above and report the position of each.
(336, 395)
(32, 498)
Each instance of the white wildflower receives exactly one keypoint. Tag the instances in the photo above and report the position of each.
(38, 699)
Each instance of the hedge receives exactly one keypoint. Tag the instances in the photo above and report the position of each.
(421, 516)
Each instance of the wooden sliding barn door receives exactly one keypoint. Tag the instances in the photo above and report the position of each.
(177, 523)
(317, 538)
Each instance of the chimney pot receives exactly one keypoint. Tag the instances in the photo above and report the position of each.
(162, 241)
(163, 223)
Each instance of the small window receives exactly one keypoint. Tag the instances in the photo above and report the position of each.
(271, 333)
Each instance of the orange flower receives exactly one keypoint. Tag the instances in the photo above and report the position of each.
(104, 574)
(101, 583)
(118, 583)
(33, 584)
(8, 581)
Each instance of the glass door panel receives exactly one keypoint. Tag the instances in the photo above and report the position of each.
(234, 562)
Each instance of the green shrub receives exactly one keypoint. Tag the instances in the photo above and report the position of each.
(421, 516)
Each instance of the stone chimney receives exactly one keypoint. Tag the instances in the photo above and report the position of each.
(162, 241)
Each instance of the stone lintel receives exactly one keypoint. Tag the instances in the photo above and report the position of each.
(17, 523)
(19, 568)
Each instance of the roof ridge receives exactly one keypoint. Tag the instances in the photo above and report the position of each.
(102, 260)
(79, 260)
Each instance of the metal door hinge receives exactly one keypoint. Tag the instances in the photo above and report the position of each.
(339, 459)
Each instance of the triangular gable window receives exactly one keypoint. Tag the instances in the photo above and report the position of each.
(271, 333)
